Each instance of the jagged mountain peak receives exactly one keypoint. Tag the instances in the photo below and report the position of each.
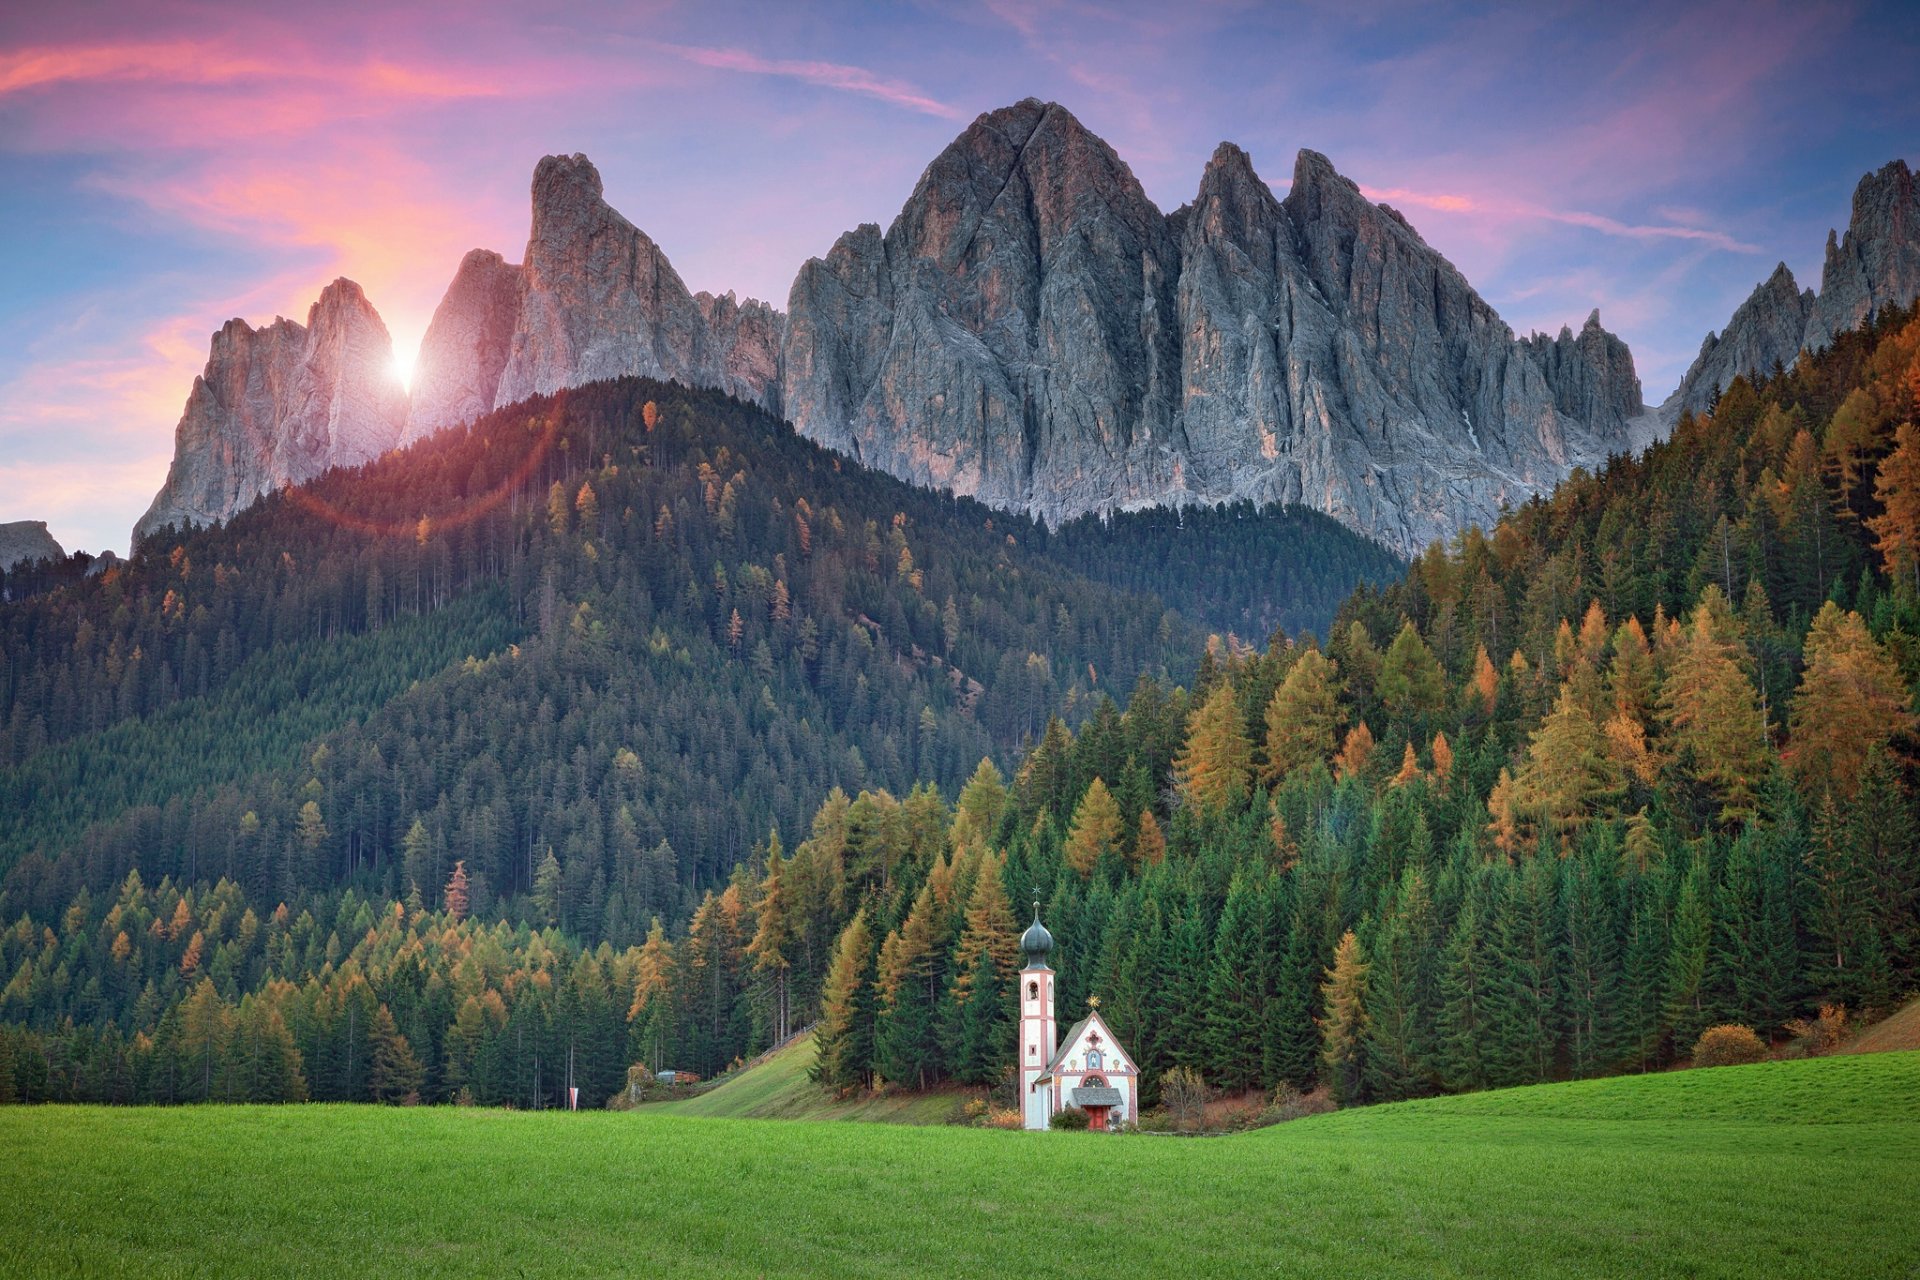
(1032, 330)
(279, 405)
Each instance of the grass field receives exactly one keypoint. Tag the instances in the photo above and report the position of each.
(1781, 1169)
(778, 1088)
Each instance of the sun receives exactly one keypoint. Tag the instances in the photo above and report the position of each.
(403, 358)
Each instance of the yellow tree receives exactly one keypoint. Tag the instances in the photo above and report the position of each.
(1215, 765)
(1097, 828)
(1569, 774)
(1896, 487)
(1343, 1031)
(1715, 729)
(1850, 706)
(1355, 752)
(1149, 845)
(989, 930)
(1483, 687)
(1301, 717)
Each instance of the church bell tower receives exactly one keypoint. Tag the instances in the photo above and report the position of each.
(1037, 1031)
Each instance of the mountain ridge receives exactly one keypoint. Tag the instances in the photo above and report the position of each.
(1031, 330)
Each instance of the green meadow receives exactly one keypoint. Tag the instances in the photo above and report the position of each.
(1781, 1169)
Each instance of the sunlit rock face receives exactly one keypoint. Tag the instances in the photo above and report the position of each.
(279, 405)
(1032, 331)
(456, 377)
(594, 298)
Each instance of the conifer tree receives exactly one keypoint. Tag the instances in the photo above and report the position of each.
(1896, 487)
(394, 1074)
(1401, 995)
(1849, 707)
(1149, 845)
(1412, 685)
(1714, 725)
(1301, 718)
(1523, 1005)
(457, 893)
(1215, 765)
(845, 1033)
(1343, 1030)
(1686, 1010)
(1464, 1021)
(1097, 828)
(1236, 990)
(906, 1030)
(546, 889)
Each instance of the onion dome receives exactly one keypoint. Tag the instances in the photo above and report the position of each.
(1036, 941)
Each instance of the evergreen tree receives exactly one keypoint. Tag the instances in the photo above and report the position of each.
(1236, 990)
(395, 1075)
(1401, 995)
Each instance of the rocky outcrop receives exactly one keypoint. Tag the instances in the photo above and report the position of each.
(595, 298)
(1591, 375)
(1010, 336)
(1766, 330)
(456, 376)
(1032, 331)
(279, 405)
(22, 541)
(1877, 264)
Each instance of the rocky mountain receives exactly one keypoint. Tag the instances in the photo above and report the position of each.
(466, 347)
(26, 540)
(279, 405)
(1032, 331)
(593, 298)
(1876, 264)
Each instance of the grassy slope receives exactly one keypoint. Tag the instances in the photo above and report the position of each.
(779, 1089)
(1778, 1169)
(1890, 1035)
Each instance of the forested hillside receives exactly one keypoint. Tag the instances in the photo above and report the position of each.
(591, 648)
(1634, 763)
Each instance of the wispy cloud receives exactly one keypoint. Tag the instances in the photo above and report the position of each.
(825, 75)
(1510, 210)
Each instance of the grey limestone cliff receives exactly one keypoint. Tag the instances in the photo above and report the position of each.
(279, 405)
(1876, 264)
(456, 377)
(25, 540)
(1032, 331)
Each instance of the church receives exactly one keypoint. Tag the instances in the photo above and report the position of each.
(1085, 1068)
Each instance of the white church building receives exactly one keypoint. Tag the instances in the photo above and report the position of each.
(1085, 1068)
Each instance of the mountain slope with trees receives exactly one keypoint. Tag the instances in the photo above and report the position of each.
(1634, 763)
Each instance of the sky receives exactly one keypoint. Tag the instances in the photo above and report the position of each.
(166, 166)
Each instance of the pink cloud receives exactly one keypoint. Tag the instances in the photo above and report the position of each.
(827, 75)
(1517, 210)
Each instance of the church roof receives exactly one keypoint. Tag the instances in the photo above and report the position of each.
(1067, 1042)
(1073, 1037)
(1097, 1096)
